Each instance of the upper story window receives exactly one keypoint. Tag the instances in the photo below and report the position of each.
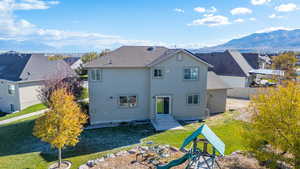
(96, 74)
(11, 89)
(191, 73)
(193, 99)
(157, 73)
(129, 101)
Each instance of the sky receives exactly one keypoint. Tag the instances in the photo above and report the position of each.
(99, 24)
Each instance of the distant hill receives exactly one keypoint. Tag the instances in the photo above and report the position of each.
(271, 42)
(7, 45)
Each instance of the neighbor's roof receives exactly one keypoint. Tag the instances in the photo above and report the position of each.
(135, 56)
(215, 82)
(252, 59)
(228, 63)
(71, 60)
(29, 67)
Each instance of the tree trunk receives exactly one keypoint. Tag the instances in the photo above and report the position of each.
(59, 157)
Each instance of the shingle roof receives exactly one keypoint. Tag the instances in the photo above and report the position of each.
(71, 60)
(252, 59)
(136, 56)
(29, 67)
(228, 63)
(129, 56)
(215, 82)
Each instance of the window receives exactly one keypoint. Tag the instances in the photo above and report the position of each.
(191, 73)
(193, 99)
(179, 57)
(12, 108)
(11, 89)
(128, 101)
(96, 74)
(157, 73)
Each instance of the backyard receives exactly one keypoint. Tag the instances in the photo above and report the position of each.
(26, 151)
(30, 109)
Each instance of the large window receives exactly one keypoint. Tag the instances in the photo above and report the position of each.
(96, 74)
(157, 73)
(128, 101)
(193, 99)
(11, 89)
(191, 73)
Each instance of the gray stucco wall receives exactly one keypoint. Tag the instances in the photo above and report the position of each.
(104, 94)
(7, 99)
(172, 84)
(234, 81)
(28, 93)
(216, 100)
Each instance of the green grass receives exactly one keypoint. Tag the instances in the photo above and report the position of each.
(19, 149)
(30, 109)
(160, 106)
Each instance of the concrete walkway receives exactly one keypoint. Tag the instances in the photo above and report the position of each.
(22, 117)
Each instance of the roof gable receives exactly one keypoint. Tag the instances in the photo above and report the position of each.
(30, 67)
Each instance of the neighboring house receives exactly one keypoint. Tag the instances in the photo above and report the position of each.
(231, 66)
(74, 62)
(216, 93)
(134, 83)
(21, 76)
(258, 61)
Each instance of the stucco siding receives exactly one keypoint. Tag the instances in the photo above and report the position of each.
(172, 84)
(216, 100)
(29, 93)
(104, 95)
(234, 81)
(6, 99)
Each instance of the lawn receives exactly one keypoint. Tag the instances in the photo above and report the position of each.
(30, 109)
(20, 150)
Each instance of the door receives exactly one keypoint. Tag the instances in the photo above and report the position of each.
(163, 104)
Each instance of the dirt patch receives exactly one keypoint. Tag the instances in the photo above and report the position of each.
(241, 106)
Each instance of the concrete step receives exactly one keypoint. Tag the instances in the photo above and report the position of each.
(166, 122)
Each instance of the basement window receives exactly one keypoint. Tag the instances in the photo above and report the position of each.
(128, 101)
(193, 99)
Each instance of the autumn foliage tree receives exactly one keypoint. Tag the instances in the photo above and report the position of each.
(286, 62)
(62, 124)
(274, 131)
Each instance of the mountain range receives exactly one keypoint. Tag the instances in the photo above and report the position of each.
(268, 42)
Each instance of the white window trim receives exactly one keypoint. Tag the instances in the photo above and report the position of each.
(192, 94)
(162, 73)
(190, 67)
(95, 70)
(127, 95)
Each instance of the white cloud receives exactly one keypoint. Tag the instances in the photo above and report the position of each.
(271, 29)
(239, 20)
(274, 16)
(240, 11)
(212, 10)
(211, 20)
(259, 2)
(203, 10)
(200, 9)
(252, 19)
(53, 2)
(286, 7)
(179, 10)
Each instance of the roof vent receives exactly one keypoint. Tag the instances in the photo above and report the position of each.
(150, 48)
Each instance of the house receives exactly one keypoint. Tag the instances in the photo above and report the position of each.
(74, 62)
(21, 75)
(136, 83)
(231, 66)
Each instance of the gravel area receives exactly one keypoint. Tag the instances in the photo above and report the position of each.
(240, 105)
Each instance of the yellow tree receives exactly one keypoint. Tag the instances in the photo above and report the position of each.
(63, 123)
(286, 62)
(273, 134)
